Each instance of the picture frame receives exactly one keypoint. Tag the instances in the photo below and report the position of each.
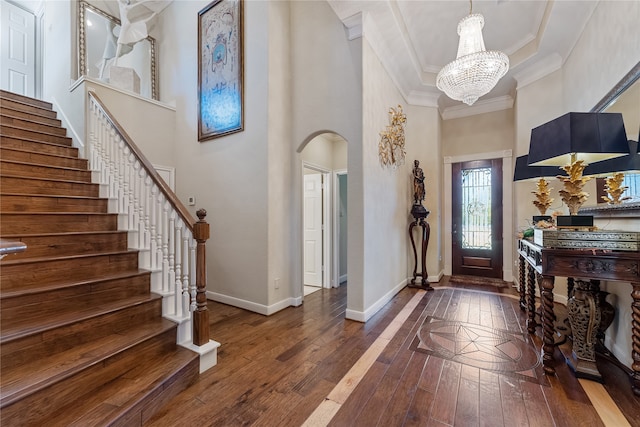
(220, 69)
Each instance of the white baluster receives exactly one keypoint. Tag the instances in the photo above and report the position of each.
(112, 165)
(153, 244)
(140, 206)
(165, 246)
(131, 209)
(172, 249)
(192, 274)
(185, 270)
(178, 268)
(146, 209)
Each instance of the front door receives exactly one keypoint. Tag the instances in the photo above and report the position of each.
(17, 50)
(477, 218)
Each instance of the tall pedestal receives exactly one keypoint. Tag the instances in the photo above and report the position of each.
(420, 215)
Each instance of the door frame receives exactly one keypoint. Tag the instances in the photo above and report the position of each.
(327, 222)
(335, 272)
(508, 233)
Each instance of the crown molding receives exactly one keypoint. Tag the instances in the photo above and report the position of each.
(423, 98)
(484, 106)
(354, 26)
(538, 70)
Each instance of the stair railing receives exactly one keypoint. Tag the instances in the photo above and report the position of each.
(171, 242)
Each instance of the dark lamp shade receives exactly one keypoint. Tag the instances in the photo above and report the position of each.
(628, 164)
(593, 137)
(525, 172)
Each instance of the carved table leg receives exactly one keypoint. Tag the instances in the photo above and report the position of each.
(585, 313)
(531, 300)
(635, 338)
(523, 292)
(548, 331)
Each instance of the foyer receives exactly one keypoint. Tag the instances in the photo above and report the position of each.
(282, 370)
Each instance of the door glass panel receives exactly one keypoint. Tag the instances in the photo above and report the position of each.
(476, 208)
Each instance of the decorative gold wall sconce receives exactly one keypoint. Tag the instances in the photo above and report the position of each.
(391, 147)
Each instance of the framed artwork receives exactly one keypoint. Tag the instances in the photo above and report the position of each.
(220, 69)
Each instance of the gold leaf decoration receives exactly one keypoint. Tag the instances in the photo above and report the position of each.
(572, 195)
(613, 187)
(391, 149)
(543, 199)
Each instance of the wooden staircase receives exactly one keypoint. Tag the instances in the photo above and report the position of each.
(82, 338)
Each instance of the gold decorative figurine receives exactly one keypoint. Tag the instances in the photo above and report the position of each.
(543, 199)
(614, 189)
(572, 195)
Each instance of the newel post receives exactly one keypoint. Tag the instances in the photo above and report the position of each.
(201, 314)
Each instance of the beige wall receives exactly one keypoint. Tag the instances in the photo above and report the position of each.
(423, 132)
(481, 133)
(228, 176)
(327, 97)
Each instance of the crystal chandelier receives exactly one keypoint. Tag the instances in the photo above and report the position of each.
(475, 71)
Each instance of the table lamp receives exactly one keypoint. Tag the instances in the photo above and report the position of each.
(524, 172)
(614, 170)
(572, 141)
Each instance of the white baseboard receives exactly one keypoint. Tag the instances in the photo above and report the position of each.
(436, 278)
(363, 316)
(266, 310)
(342, 278)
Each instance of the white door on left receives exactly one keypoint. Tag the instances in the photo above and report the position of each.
(313, 229)
(17, 50)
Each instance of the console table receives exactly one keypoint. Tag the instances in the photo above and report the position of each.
(591, 264)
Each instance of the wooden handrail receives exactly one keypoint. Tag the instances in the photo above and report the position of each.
(196, 303)
(188, 219)
(11, 247)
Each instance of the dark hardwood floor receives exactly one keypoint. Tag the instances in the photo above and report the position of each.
(276, 370)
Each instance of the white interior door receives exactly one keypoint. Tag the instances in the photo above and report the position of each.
(17, 50)
(313, 229)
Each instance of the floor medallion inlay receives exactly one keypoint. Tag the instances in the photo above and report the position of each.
(481, 347)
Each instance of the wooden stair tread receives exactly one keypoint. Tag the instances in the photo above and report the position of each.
(58, 213)
(20, 122)
(41, 154)
(7, 262)
(129, 396)
(8, 111)
(60, 196)
(13, 329)
(44, 165)
(35, 140)
(69, 284)
(36, 375)
(62, 139)
(26, 100)
(36, 178)
(67, 233)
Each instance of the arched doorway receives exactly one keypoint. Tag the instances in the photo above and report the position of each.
(324, 212)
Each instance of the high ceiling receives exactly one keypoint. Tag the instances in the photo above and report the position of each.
(416, 38)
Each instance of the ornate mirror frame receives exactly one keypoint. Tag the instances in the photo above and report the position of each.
(83, 66)
(625, 209)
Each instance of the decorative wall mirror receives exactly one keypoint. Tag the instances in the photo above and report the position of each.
(97, 45)
(623, 98)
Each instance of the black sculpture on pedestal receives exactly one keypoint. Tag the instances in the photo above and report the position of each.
(419, 214)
